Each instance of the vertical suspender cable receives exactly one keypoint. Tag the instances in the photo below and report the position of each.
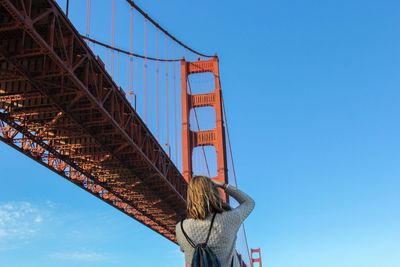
(67, 8)
(112, 35)
(173, 38)
(118, 80)
(136, 67)
(175, 118)
(131, 58)
(157, 91)
(167, 99)
(88, 14)
(145, 71)
(106, 57)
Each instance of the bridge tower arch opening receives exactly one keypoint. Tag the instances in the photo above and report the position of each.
(256, 258)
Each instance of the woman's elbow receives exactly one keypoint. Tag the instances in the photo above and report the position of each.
(252, 204)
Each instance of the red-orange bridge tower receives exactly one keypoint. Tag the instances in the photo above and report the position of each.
(62, 104)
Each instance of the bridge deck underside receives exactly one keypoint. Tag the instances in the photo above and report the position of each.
(59, 106)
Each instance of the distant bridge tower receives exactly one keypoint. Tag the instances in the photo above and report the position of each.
(214, 137)
(257, 258)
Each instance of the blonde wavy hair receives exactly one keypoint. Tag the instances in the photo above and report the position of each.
(203, 198)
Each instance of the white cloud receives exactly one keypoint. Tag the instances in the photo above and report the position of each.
(78, 256)
(19, 221)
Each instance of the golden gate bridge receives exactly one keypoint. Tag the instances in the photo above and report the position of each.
(114, 105)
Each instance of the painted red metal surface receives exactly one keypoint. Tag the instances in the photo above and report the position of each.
(256, 258)
(59, 106)
(214, 137)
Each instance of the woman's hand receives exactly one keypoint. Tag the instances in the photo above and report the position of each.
(218, 183)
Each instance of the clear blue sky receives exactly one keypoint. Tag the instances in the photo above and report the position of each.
(312, 94)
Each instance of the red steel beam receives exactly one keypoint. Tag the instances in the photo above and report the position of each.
(65, 89)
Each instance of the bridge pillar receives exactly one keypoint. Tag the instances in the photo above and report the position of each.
(256, 259)
(214, 137)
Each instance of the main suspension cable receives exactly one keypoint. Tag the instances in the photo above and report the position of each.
(127, 52)
(152, 21)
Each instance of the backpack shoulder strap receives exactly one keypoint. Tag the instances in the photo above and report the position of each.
(186, 236)
(190, 241)
(209, 230)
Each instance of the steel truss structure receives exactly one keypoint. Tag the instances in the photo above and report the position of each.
(59, 106)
